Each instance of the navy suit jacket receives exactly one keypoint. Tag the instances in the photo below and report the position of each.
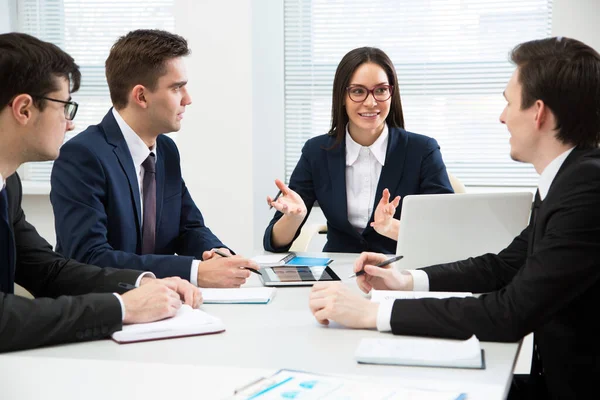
(413, 165)
(62, 311)
(96, 200)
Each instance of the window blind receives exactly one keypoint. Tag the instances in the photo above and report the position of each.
(452, 61)
(86, 29)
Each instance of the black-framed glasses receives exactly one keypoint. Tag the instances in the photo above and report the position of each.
(70, 106)
(359, 93)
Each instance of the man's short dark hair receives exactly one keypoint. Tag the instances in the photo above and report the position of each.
(139, 58)
(564, 73)
(31, 66)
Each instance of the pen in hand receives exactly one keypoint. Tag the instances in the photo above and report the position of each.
(275, 198)
(222, 254)
(381, 264)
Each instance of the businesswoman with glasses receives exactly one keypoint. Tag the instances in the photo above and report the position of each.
(359, 171)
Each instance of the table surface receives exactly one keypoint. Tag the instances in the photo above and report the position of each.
(259, 339)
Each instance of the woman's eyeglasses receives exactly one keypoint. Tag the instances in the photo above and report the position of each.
(359, 93)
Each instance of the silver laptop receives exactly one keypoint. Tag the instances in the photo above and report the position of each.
(441, 228)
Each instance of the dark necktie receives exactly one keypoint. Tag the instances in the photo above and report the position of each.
(535, 207)
(149, 192)
(6, 256)
(532, 220)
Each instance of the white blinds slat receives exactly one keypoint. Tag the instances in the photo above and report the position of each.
(86, 29)
(451, 58)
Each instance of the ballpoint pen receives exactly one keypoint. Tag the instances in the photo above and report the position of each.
(381, 264)
(275, 198)
(222, 254)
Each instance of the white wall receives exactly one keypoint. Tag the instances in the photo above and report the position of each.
(232, 148)
(578, 19)
(216, 136)
(7, 15)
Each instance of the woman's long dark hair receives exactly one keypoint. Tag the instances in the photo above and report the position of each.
(343, 74)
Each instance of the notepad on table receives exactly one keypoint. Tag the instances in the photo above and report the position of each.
(377, 296)
(260, 295)
(421, 351)
(276, 260)
(187, 322)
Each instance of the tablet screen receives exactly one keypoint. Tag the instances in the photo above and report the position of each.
(298, 275)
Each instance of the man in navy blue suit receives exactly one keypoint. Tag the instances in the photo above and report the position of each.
(117, 192)
(74, 301)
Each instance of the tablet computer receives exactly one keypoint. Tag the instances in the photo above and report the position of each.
(297, 275)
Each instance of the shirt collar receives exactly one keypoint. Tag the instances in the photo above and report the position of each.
(138, 149)
(378, 148)
(2, 183)
(550, 172)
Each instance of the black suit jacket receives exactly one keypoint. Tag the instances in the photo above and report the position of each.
(62, 311)
(547, 281)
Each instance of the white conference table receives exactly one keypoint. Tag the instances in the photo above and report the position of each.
(259, 340)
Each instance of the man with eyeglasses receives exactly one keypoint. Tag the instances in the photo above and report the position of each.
(117, 191)
(74, 301)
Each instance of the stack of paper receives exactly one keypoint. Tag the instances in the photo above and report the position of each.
(288, 384)
(187, 322)
(419, 351)
(259, 295)
(378, 296)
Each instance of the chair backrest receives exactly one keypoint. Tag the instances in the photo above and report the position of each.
(21, 291)
(457, 185)
(308, 231)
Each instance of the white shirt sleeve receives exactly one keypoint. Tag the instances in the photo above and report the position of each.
(384, 315)
(139, 279)
(194, 272)
(420, 280)
(118, 296)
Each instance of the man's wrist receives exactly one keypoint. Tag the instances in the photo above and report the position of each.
(144, 278)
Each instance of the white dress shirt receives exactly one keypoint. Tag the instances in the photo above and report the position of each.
(139, 152)
(420, 277)
(363, 169)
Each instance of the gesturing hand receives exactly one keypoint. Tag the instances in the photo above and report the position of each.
(289, 202)
(383, 217)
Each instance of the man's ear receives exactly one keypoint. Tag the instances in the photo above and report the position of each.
(22, 108)
(138, 95)
(541, 114)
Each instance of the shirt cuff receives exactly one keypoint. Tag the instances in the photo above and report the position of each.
(194, 272)
(118, 296)
(420, 280)
(384, 315)
(138, 281)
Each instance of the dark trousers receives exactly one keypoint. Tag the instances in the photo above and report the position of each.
(525, 388)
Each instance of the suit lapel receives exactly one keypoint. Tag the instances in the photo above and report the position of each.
(391, 172)
(336, 165)
(160, 182)
(8, 247)
(115, 137)
(538, 203)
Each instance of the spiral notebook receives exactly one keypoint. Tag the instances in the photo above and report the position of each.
(187, 322)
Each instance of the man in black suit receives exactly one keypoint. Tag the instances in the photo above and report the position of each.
(547, 281)
(75, 302)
